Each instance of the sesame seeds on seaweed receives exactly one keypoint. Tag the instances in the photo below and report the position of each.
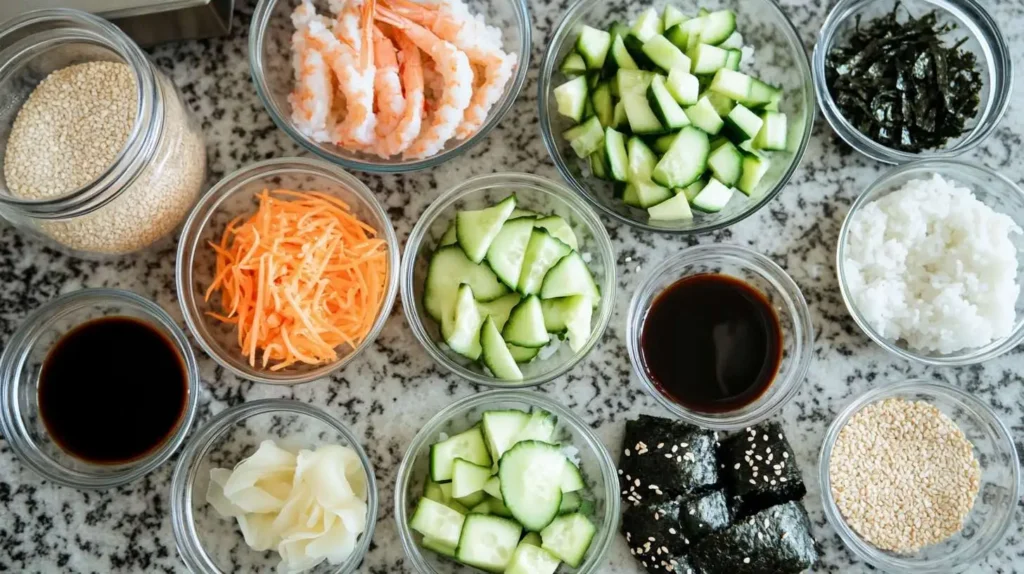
(760, 470)
(663, 458)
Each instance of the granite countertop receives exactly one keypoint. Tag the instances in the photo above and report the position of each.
(393, 388)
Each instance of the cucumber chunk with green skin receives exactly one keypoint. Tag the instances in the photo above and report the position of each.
(618, 159)
(568, 538)
(476, 229)
(571, 98)
(707, 59)
(690, 32)
(523, 354)
(449, 237)
(726, 163)
(572, 315)
(621, 56)
(593, 45)
(722, 104)
(493, 487)
(604, 107)
(468, 445)
(570, 276)
(573, 64)
(572, 478)
(692, 190)
(619, 119)
(650, 193)
(618, 29)
(532, 538)
(665, 54)
(468, 478)
(665, 107)
(532, 559)
(541, 426)
(531, 477)
(685, 161)
(488, 542)
(704, 116)
(733, 59)
(647, 25)
(641, 161)
(671, 16)
(525, 326)
(499, 309)
(508, 249)
(677, 35)
(731, 84)
(542, 252)
(500, 428)
(496, 356)
(630, 196)
(585, 138)
(733, 42)
(437, 521)
(558, 228)
(571, 502)
(449, 267)
(461, 326)
(633, 81)
(435, 545)
(713, 197)
(754, 169)
(663, 144)
(642, 119)
(742, 124)
(718, 26)
(773, 133)
(676, 208)
(761, 94)
(471, 500)
(685, 88)
(433, 491)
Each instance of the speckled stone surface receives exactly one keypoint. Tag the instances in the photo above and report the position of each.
(393, 388)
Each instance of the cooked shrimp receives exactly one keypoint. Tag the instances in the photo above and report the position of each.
(458, 84)
(313, 96)
(397, 140)
(387, 84)
(463, 31)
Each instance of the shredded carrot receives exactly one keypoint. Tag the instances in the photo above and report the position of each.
(300, 278)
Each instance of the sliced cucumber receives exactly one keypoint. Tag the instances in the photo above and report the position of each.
(435, 545)
(525, 326)
(572, 478)
(585, 138)
(532, 538)
(633, 81)
(678, 35)
(505, 254)
(773, 132)
(704, 116)
(498, 309)
(468, 478)
(449, 267)
(649, 193)
(488, 542)
(663, 144)
(433, 491)
(475, 229)
(570, 276)
(733, 59)
(532, 559)
(761, 94)
(647, 25)
(542, 252)
(449, 237)
(593, 45)
(573, 64)
(629, 195)
(437, 521)
(501, 428)
(733, 42)
(707, 59)
(676, 208)
(713, 197)
(690, 31)
(641, 117)
(726, 163)
(618, 29)
(733, 85)
(523, 354)
(558, 228)
(618, 159)
(720, 103)
(685, 161)
(664, 105)
(742, 124)
(665, 54)
(685, 88)
(619, 119)
(571, 98)
(573, 315)
(493, 487)
(468, 445)
(692, 190)
(599, 165)
(461, 327)
(531, 477)
(718, 26)
(571, 502)
(671, 16)
(496, 356)
(641, 161)
(568, 538)
(754, 168)
(604, 107)
(541, 426)
(620, 55)
(470, 500)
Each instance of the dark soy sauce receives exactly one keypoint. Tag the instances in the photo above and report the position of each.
(112, 390)
(711, 343)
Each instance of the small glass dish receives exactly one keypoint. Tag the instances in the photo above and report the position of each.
(994, 508)
(764, 26)
(234, 196)
(992, 189)
(211, 544)
(532, 193)
(270, 58)
(20, 368)
(599, 473)
(762, 274)
(984, 40)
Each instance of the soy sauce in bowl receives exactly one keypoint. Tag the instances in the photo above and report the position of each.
(112, 390)
(711, 343)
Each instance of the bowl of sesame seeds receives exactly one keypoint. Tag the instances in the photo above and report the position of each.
(919, 476)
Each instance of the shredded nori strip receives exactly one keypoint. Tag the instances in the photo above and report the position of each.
(901, 85)
(776, 540)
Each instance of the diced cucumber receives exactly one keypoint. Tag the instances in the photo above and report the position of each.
(713, 197)
(734, 85)
(618, 159)
(532, 559)
(588, 112)
(629, 196)
(642, 119)
(531, 477)
(604, 108)
(570, 502)
(733, 59)
(641, 161)
(685, 161)
(585, 138)
(433, 491)
(568, 538)
(573, 315)
(691, 191)
(523, 354)
(496, 356)
(718, 26)
(532, 538)
(754, 168)
(684, 87)
(461, 326)
(671, 16)
(726, 163)
(691, 31)
(559, 229)
(493, 487)
(449, 237)
(541, 426)
(633, 81)
(733, 42)
(742, 124)
(620, 55)
(487, 542)
(571, 98)
(703, 115)
(663, 143)
(599, 164)
(572, 478)
(435, 545)
(618, 29)
(648, 24)
(573, 64)
(468, 478)
(498, 309)
(437, 521)
(706, 59)
(649, 193)
(542, 252)
(665, 54)
(517, 213)
(468, 445)
(593, 45)
(475, 229)
(722, 104)
(570, 276)
(525, 326)
(635, 48)
(676, 208)
(500, 429)
(470, 500)
(773, 132)
(492, 506)
(677, 35)
(761, 94)
(619, 119)
(664, 105)
(506, 253)
(449, 267)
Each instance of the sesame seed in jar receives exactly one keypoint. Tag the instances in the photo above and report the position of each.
(926, 458)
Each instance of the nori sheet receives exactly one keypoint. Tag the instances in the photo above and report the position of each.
(662, 458)
(776, 540)
(704, 515)
(652, 533)
(759, 470)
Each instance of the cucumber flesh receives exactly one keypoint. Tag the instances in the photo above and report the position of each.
(496, 356)
(718, 26)
(585, 138)
(542, 252)
(449, 237)
(499, 309)
(593, 45)
(704, 116)
(531, 476)
(642, 161)
(523, 354)
(435, 545)
(568, 538)
(541, 426)
(754, 169)
(676, 208)
(570, 276)
(685, 161)
(476, 229)
(468, 445)
(664, 105)
(685, 88)
(572, 315)
(488, 542)
(437, 521)
(571, 98)
(449, 267)
(525, 326)
(618, 159)
(500, 428)
(508, 249)
(532, 559)
(713, 197)
(773, 132)
(726, 163)
(468, 478)
(461, 327)
(558, 228)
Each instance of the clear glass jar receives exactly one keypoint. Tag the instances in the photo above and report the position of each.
(155, 178)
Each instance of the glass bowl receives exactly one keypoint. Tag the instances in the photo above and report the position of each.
(20, 367)
(211, 544)
(983, 39)
(599, 472)
(993, 511)
(992, 189)
(764, 26)
(532, 193)
(778, 288)
(270, 63)
(233, 196)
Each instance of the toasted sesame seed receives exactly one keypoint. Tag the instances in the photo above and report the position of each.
(746, 560)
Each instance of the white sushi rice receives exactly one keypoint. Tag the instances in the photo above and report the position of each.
(932, 265)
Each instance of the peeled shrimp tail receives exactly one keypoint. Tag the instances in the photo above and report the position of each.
(387, 84)
(358, 129)
(397, 140)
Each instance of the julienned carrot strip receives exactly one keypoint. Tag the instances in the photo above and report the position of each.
(300, 278)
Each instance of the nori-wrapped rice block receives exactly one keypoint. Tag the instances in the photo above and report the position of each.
(662, 458)
(654, 538)
(702, 516)
(776, 540)
(759, 470)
